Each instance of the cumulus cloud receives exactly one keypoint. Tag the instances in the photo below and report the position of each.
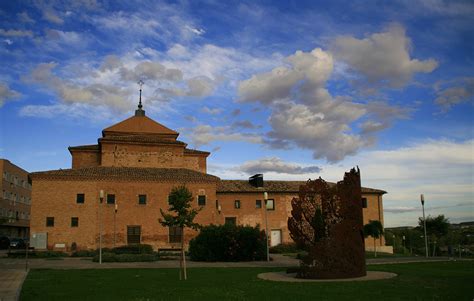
(305, 114)
(77, 111)
(458, 91)
(275, 165)
(206, 134)
(382, 58)
(7, 94)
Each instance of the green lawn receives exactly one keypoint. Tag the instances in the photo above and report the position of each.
(416, 281)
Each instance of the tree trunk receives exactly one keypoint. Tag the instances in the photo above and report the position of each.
(183, 255)
(375, 249)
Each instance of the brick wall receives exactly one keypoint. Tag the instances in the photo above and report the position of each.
(57, 199)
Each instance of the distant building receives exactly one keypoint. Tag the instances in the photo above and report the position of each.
(15, 201)
(136, 163)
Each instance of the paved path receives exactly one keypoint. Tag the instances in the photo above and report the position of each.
(11, 281)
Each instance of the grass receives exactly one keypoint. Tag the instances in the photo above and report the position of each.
(416, 281)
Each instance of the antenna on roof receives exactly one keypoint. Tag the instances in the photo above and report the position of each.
(140, 112)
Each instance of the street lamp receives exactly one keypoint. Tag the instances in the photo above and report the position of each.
(422, 198)
(115, 223)
(265, 197)
(101, 199)
(394, 247)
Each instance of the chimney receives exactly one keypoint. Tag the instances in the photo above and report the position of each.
(256, 180)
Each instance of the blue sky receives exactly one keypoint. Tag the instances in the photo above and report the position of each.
(295, 90)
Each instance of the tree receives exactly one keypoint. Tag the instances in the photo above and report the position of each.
(436, 226)
(374, 229)
(180, 201)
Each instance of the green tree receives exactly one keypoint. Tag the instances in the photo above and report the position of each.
(181, 215)
(436, 226)
(375, 229)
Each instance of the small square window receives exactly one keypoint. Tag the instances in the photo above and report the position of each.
(74, 222)
(231, 221)
(142, 199)
(80, 198)
(364, 202)
(50, 221)
(201, 200)
(270, 205)
(111, 199)
(237, 204)
(258, 204)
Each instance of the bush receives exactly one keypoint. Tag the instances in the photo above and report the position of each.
(84, 253)
(284, 248)
(228, 243)
(36, 254)
(133, 249)
(111, 257)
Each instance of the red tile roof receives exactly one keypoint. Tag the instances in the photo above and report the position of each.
(236, 186)
(126, 173)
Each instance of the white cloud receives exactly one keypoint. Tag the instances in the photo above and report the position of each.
(49, 14)
(305, 114)
(197, 31)
(458, 91)
(16, 33)
(76, 111)
(276, 165)
(211, 111)
(382, 58)
(206, 134)
(25, 18)
(7, 94)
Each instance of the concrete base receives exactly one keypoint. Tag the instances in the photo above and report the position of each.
(283, 276)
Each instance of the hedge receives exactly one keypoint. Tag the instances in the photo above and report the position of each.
(111, 257)
(228, 243)
(284, 248)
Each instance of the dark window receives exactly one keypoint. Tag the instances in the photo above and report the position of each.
(169, 200)
(237, 204)
(201, 200)
(142, 199)
(50, 221)
(133, 234)
(80, 198)
(231, 221)
(111, 199)
(258, 204)
(270, 205)
(364, 202)
(74, 222)
(176, 234)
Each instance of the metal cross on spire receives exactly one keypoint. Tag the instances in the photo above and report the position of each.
(140, 112)
(140, 83)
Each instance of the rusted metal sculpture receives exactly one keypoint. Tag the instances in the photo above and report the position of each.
(327, 223)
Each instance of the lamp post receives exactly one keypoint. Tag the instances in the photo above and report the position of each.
(422, 198)
(101, 199)
(115, 218)
(265, 197)
(403, 240)
(394, 246)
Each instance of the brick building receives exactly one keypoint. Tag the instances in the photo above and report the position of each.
(136, 163)
(15, 201)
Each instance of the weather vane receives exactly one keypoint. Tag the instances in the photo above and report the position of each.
(140, 83)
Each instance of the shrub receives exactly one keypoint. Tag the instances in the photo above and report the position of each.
(284, 248)
(111, 257)
(37, 254)
(228, 243)
(84, 253)
(133, 249)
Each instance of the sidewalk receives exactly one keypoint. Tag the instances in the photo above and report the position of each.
(11, 281)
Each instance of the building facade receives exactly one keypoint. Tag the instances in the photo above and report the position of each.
(15, 201)
(136, 163)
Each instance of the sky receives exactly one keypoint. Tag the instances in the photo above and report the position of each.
(291, 89)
